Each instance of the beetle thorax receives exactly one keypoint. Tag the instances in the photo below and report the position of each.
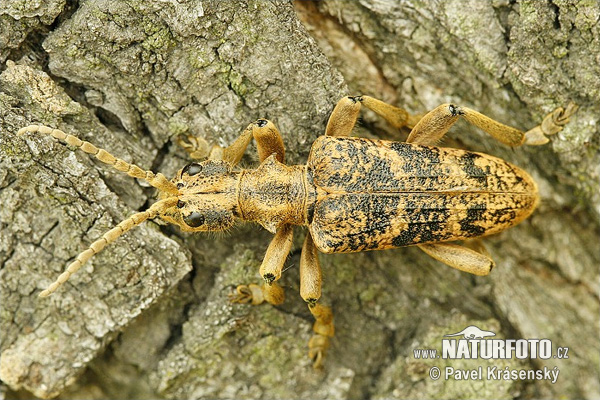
(273, 194)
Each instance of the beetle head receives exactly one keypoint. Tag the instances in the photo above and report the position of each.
(206, 199)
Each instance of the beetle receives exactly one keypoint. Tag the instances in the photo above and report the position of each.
(353, 194)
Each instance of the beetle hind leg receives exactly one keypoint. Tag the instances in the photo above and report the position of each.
(434, 125)
(551, 124)
(474, 261)
(310, 291)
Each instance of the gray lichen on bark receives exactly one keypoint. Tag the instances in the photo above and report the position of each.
(20, 18)
(46, 344)
(132, 76)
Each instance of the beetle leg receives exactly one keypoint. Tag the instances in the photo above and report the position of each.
(310, 291)
(344, 115)
(430, 129)
(460, 257)
(267, 136)
(552, 123)
(196, 147)
(270, 270)
(434, 125)
(397, 117)
(268, 141)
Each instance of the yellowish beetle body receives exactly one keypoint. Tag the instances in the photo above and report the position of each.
(353, 194)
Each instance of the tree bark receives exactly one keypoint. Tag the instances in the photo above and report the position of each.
(149, 317)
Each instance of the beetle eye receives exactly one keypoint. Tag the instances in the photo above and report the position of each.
(194, 220)
(192, 169)
(180, 204)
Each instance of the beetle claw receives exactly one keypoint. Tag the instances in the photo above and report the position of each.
(317, 349)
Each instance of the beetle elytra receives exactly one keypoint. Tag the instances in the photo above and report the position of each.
(353, 194)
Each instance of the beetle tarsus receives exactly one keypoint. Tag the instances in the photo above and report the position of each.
(247, 294)
(255, 295)
(324, 330)
(552, 124)
(197, 147)
(317, 349)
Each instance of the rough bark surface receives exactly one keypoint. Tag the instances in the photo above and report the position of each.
(150, 318)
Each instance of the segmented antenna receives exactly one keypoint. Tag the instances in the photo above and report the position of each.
(158, 180)
(106, 239)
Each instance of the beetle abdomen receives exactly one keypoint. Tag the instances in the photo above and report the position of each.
(380, 194)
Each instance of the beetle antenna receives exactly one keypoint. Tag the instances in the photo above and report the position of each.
(158, 180)
(157, 208)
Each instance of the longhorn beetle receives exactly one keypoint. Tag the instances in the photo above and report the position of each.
(353, 194)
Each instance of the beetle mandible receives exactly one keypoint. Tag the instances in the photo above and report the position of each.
(353, 194)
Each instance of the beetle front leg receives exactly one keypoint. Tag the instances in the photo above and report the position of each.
(310, 291)
(196, 147)
(434, 125)
(268, 141)
(270, 270)
(460, 257)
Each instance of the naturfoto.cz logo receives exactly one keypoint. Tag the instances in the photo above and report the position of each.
(474, 343)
